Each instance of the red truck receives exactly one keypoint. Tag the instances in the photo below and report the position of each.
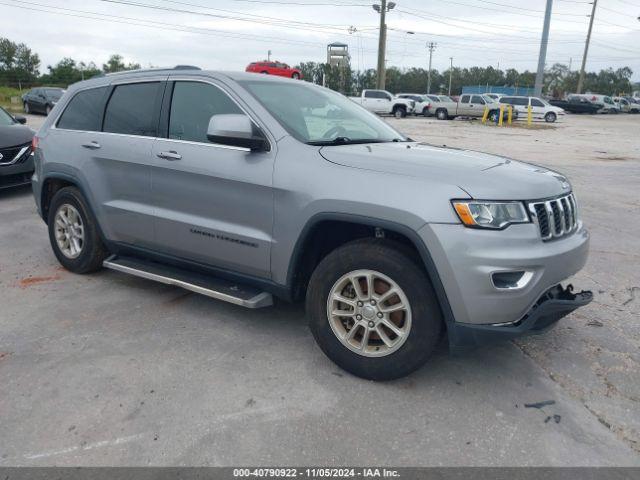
(274, 68)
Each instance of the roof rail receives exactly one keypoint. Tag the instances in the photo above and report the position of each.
(147, 70)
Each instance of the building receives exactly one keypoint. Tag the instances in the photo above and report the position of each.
(338, 54)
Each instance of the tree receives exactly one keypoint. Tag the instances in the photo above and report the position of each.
(18, 64)
(116, 64)
(67, 71)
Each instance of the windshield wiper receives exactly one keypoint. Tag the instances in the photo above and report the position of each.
(347, 141)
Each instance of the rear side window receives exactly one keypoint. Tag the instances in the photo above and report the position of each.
(84, 111)
(192, 106)
(464, 99)
(132, 109)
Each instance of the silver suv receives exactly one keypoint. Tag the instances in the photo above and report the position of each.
(244, 187)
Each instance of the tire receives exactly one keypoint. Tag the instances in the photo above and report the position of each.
(399, 112)
(422, 319)
(425, 111)
(27, 109)
(494, 116)
(550, 117)
(295, 76)
(92, 251)
(47, 110)
(442, 114)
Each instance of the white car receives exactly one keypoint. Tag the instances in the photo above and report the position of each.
(423, 104)
(441, 105)
(540, 108)
(384, 103)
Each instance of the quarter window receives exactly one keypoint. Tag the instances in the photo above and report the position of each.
(84, 111)
(192, 106)
(131, 109)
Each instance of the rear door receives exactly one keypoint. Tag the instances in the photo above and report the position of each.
(119, 166)
(213, 203)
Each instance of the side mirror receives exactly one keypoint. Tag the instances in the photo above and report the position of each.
(20, 119)
(235, 130)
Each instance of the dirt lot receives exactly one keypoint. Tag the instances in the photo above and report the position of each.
(114, 370)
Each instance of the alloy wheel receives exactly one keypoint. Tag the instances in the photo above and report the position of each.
(369, 313)
(69, 231)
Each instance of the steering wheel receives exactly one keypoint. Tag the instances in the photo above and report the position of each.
(333, 132)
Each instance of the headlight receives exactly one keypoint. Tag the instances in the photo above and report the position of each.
(496, 215)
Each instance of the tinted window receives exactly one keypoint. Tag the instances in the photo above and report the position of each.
(506, 100)
(477, 99)
(536, 103)
(192, 106)
(464, 99)
(131, 109)
(84, 111)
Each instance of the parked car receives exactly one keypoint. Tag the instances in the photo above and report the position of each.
(41, 100)
(441, 105)
(384, 103)
(16, 162)
(634, 104)
(605, 102)
(274, 68)
(422, 103)
(266, 186)
(495, 96)
(576, 104)
(540, 108)
(471, 106)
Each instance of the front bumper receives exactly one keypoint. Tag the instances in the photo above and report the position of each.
(468, 262)
(18, 174)
(554, 304)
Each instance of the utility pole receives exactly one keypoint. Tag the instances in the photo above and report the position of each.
(431, 46)
(268, 55)
(450, 73)
(537, 89)
(382, 9)
(586, 48)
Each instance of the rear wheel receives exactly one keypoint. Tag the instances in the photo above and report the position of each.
(372, 310)
(550, 117)
(73, 232)
(264, 72)
(295, 76)
(425, 111)
(442, 114)
(399, 112)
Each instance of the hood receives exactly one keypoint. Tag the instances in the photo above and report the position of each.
(13, 135)
(481, 175)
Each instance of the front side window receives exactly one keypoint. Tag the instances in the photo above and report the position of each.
(192, 106)
(536, 103)
(434, 98)
(477, 99)
(131, 109)
(5, 118)
(84, 111)
(319, 116)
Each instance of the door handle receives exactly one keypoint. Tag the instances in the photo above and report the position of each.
(93, 145)
(170, 155)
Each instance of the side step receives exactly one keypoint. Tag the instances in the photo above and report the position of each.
(214, 287)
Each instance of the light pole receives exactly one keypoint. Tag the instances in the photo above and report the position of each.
(431, 46)
(586, 48)
(382, 9)
(537, 89)
(450, 73)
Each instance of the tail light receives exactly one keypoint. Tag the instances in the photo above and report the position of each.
(34, 143)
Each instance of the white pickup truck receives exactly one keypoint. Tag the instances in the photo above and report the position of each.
(384, 103)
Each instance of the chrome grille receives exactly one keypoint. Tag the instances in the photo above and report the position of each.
(13, 155)
(555, 218)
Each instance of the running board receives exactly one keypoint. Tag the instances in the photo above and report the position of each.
(213, 287)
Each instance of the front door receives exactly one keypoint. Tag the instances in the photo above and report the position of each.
(213, 203)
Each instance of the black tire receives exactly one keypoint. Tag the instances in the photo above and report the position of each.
(295, 76)
(27, 109)
(399, 112)
(392, 260)
(442, 114)
(494, 115)
(93, 251)
(425, 111)
(550, 117)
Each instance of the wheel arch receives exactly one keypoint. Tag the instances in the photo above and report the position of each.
(309, 250)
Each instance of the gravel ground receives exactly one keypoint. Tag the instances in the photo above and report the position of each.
(109, 369)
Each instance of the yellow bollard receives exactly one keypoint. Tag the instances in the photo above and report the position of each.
(529, 115)
(510, 114)
(501, 115)
(485, 114)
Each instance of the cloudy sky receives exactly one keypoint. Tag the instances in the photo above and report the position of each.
(228, 34)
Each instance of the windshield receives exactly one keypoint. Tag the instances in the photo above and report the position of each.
(5, 118)
(319, 116)
(488, 99)
(444, 98)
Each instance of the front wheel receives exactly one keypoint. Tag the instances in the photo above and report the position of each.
(399, 112)
(550, 117)
(442, 114)
(27, 109)
(73, 232)
(295, 76)
(372, 310)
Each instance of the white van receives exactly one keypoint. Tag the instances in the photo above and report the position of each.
(540, 108)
